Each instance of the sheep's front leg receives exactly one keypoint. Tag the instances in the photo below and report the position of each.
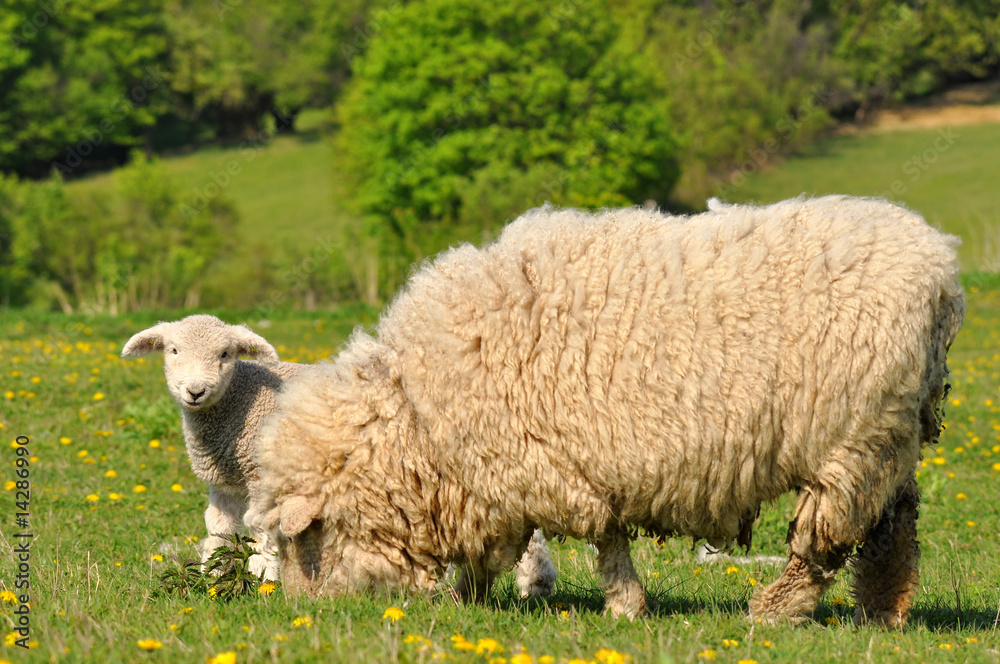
(536, 575)
(223, 518)
(886, 566)
(623, 593)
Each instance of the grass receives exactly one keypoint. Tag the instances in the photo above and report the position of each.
(284, 191)
(95, 560)
(946, 174)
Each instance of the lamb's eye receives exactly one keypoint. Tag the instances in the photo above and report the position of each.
(225, 354)
(173, 350)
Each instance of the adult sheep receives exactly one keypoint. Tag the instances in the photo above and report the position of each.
(224, 401)
(594, 374)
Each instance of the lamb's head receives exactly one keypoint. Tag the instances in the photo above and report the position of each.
(199, 356)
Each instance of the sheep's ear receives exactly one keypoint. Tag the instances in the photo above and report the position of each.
(145, 342)
(297, 512)
(253, 345)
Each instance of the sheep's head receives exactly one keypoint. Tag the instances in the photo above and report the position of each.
(199, 356)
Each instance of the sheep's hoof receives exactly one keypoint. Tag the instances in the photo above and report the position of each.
(886, 619)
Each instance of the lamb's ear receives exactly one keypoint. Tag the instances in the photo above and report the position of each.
(145, 342)
(297, 512)
(253, 345)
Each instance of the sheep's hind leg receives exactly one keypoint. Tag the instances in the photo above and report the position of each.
(474, 581)
(886, 566)
(623, 592)
(818, 550)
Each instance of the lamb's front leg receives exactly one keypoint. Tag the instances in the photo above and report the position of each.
(623, 592)
(223, 518)
(536, 575)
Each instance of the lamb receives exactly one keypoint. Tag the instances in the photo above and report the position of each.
(601, 374)
(224, 401)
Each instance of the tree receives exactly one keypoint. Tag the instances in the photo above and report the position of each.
(461, 114)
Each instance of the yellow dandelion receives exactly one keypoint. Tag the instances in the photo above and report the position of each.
(961, 496)
(65, 441)
(607, 656)
(732, 569)
(767, 644)
(944, 646)
(212, 593)
(544, 659)
(9, 485)
(185, 611)
(114, 496)
(173, 627)
(191, 539)
(577, 660)
(393, 613)
(832, 620)
(156, 558)
(996, 466)
(8, 394)
(154, 443)
(228, 657)
(708, 653)
(522, 658)
(8, 597)
(747, 661)
(138, 488)
(10, 639)
(97, 397)
(82, 453)
(302, 621)
(730, 643)
(149, 644)
(111, 473)
(93, 497)
(490, 646)
(279, 637)
(971, 524)
(939, 461)
(176, 487)
(459, 642)
(971, 639)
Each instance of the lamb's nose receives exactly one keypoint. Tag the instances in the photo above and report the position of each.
(195, 397)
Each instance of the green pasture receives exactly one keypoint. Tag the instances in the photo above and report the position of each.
(113, 502)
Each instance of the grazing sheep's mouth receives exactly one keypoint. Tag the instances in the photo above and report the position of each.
(194, 405)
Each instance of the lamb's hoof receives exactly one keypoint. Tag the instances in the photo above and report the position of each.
(540, 587)
(633, 611)
(261, 565)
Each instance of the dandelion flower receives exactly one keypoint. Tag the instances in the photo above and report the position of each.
(488, 646)
(459, 642)
(544, 659)
(82, 453)
(522, 658)
(114, 496)
(138, 488)
(9, 485)
(111, 473)
(393, 613)
(730, 643)
(154, 443)
(149, 644)
(228, 657)
(97, 397)
(176, 487)
(8, 597)
(832, 620)
(185, 611)
(156, 558)
(732, 569)
(708, 653)
(944, 646)
(65, 441)
(302, 621)
(971, 639)
(93, 497)
(747, 661)
(606, 656)
(971, 524)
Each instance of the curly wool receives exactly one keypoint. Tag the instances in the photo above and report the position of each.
(590, 374)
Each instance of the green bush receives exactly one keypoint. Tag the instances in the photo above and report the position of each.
(461, 114)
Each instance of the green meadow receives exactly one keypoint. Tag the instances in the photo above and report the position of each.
(113, 502)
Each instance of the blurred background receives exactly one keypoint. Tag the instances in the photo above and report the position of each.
(297, 155)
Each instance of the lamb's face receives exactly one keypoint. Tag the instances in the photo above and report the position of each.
(199, 366)
(199, 356)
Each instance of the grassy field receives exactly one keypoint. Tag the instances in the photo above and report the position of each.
(947, 174)
(113, 501)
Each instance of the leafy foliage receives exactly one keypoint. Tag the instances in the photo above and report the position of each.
(225, 575)
(462, 114)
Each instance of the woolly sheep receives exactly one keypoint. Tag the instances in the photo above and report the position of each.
(223, 402)
(598, 374)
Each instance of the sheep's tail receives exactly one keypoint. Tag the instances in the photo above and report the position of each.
(947, 323)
